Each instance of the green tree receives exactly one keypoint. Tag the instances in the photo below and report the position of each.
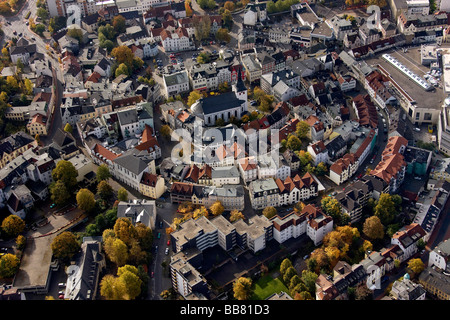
(223, 35)
(385, 209)
(59, 193)
(302, 129)
(285, 264)
(288, 274)
(103, 173)
(9, 265)
(122, 194)
(293, 143)
(13, 225)
(165, 131)
(66, 173)
(309, 279)
(65, 245)
(85, 200)
(122, 69)
(242, 288)
(104, 190)
(227, 19)
(42, 13)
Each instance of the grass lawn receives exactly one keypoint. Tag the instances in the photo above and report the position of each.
(267, 286)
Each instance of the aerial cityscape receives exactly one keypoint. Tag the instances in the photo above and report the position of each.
(232, 150)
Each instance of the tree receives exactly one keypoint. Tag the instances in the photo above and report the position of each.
(9, 265)
(203, 57)
(85, 200)
(122, 69)
(288, 274)
(302, 129)
(416, 265)
(188, 8)
(66, 173)
(321, 169)
(385, 209)
(65, 245)
(124, 55)
(373, 228)
(321, 260)
(131, 282)
(223, 35)
(59, 193)
(104, 190)
(75, 33)
(309, 279)
(28, 86)
(269, 212)
(363, 293)
(165, 131)
(228, 5)
(235, 215)
(293, 143)
(103, 173)
(20, 242)
(68, 128)
(111, 288)
(193, 97)
(216, 208)
(119, 24)
(42, 13)
(13, 225)
(285, 264)
(202, 27)
(200, 212)
(227, 19)
(122, 194)
(116, 250)
(242, 288)
(124, 230)
(331, 207)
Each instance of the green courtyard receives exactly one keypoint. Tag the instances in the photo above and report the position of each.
(266, 286)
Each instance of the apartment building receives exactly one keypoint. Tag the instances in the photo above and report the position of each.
(263, 193)
(296, 189)
(310, 221)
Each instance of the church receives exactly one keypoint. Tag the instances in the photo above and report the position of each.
(224, 106)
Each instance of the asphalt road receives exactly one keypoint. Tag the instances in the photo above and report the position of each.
(18, 24)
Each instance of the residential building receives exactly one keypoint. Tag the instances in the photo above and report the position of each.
(407, 290)
(310, 221)
(263, 193)
(138, 211)
(176, 83)
(343, 168)
(436, 283)
(407, 237)
(152, 185)
(296, 189)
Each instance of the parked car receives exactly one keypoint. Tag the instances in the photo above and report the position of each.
(168, 242)
(159, 235)
(167, 251)
(417, 129)
(61, 285)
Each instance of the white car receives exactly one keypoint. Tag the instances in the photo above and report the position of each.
(167, 251)
(417, 129)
